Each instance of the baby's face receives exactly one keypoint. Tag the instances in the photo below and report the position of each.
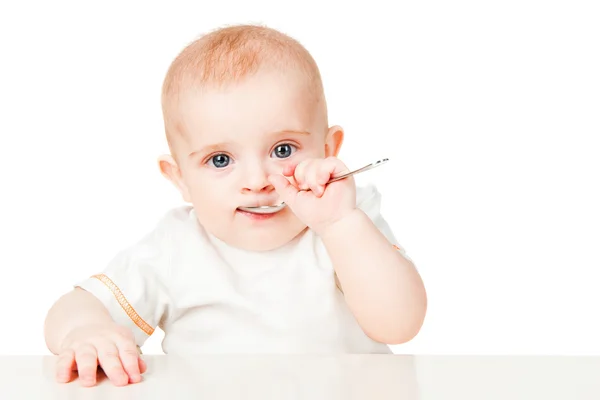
(235, 138)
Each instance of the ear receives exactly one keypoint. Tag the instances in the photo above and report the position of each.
(333, 141)
(170, 170)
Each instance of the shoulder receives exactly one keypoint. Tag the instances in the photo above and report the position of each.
(159, 242)
(177, 222)
(177, 217)
(366, 192)
(368, 199)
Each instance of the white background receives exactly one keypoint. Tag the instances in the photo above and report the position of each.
(489, 112)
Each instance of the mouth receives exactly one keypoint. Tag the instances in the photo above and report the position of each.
(261, 212)
(272, 209)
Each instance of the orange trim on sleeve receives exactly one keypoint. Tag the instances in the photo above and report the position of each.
(133, 315)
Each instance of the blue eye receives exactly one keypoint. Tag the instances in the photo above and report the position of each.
(220, 161)
(283, 150)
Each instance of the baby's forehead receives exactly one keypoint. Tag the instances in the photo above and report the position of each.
(227, 114)
(221, 60)
(270, 98)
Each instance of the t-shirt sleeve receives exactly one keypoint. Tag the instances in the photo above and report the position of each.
(369, 201)
(132, 285)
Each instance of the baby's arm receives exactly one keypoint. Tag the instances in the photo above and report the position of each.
(80, 330)
(109, 314)
(382, 288)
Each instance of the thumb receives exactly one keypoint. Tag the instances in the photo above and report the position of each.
(284, 188)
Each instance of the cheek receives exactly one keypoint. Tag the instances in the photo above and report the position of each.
(313, 150)
(213, 191)
(209, 191)
(211, 206)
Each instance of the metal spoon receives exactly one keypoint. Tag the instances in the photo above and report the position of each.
(277, 207)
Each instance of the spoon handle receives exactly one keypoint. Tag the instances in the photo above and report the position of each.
(363, 169)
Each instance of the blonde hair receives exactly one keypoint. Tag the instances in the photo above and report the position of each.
(228, 55)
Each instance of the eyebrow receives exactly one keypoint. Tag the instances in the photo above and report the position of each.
(209, 149)
(215, 147)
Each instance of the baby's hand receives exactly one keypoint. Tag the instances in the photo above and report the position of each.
(314, 202)
(111, 347)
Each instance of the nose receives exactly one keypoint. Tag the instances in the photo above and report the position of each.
(255, 179)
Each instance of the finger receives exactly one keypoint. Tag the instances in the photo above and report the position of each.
(130, 354)
(313, 175)
(86, 358)
(65, 366)
(284, 188)
(143, 365)
(130, 359)
(289, 170)
(330, 167)
(108, 359)
(323, 173)
(300, 174)
(335, 166)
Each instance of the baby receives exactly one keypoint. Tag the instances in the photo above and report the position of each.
(246, 122)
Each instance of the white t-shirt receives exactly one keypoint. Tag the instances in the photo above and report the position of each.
(209, 297)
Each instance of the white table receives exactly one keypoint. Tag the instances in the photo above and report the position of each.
(372, 377)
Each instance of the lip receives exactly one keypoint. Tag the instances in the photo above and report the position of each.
(263, 203)
(257, 216)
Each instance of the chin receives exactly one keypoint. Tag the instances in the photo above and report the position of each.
(265, 241)
(265, 235)
(258, 235)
